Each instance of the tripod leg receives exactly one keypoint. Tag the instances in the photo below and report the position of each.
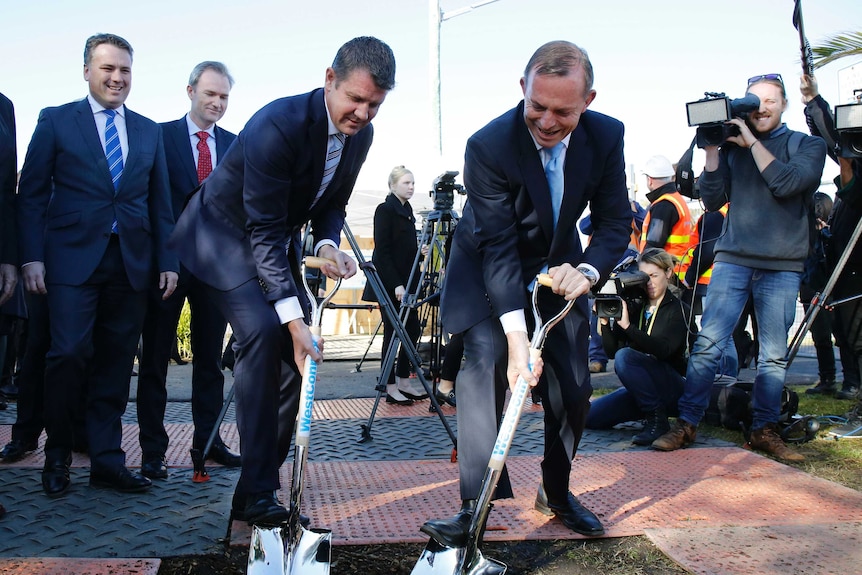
(367, 349)
(386, 307)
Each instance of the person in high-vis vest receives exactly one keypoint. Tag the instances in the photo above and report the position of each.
(700, 255)
(668, 224)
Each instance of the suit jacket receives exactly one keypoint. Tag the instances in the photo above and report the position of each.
(245, 220)
(67, 203)
(395, 246)
(182, 171)
(8, 183)
(507, 233)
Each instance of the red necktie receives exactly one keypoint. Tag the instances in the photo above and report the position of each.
(205, 160)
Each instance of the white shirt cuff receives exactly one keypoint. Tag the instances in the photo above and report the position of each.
(513, 321)
(589, 267)
(322, 243)
(288, 309)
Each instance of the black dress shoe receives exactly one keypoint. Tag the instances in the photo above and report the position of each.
(154, 467)
(55, 476)
(237, 510)
(447, 398)
(390, 399)
(9, 390)
(264, 509)
(452, 532)
(573, 515)
(220, 453)
(16, 450)
(120, 479)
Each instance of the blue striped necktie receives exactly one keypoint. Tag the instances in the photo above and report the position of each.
(554, 174)
(333, 155)
(113, 150)
(114, 154)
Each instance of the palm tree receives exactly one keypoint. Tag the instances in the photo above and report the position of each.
(840, 46)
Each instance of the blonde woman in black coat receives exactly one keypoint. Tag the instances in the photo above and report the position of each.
(395, 247)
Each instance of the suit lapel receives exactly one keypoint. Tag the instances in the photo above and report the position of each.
(579, 159)
(133, 133)
(86, 121)
(183, 143)
(221, 144)
(535, 182)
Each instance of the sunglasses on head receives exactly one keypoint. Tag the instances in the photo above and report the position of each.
(762, 77)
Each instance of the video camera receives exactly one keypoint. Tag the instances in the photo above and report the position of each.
(625, 283)
(848, 123)
(712, 112)
(443, 190)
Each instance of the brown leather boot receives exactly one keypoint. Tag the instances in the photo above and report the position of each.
(769, 441)
(681, 434)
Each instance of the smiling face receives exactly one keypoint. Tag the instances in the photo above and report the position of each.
(209, 98)
(352, 101)
(109, 74)
(553, 104)
(772, 105)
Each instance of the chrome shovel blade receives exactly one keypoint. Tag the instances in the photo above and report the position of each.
(270, 552)
(266, 553)
(312, 554)
(438, 559)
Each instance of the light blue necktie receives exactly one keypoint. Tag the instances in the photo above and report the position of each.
(554, 174)
(114, 154)
(333, 156)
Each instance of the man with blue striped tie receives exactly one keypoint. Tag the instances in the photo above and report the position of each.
(94, 212)
(296, 160)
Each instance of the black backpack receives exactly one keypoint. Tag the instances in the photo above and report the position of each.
(730, 406)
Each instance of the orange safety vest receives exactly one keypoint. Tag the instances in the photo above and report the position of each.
(689, 254)
(679, 239)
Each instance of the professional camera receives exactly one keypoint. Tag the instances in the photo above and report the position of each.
(712, 112)
(848, 123)
(443, 190)
(625, 283)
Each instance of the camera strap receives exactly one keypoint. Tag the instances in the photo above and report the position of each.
(651, 320)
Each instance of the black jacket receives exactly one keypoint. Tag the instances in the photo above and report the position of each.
(667, 341)
(395, 246)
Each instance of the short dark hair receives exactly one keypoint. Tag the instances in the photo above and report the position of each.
(98, 39)
(216, 67)
(370, 54)
(558, 58)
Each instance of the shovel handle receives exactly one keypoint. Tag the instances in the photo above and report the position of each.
(316, 262)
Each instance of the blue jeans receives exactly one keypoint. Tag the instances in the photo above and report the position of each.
(774, 296)
(648, 384)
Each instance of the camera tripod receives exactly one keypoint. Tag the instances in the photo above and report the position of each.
(818, 302)
(400, 337)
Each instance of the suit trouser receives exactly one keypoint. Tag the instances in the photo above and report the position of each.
(207, 337)
(94, 329)
(266, 382)
(564, 386)
(31, 377)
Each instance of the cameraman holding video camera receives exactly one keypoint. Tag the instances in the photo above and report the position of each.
(648, 344)
(768, 174)
(845, 215)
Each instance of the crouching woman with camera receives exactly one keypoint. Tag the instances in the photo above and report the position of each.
(648, 345)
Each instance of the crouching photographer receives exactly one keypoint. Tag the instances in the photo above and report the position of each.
(648, 344)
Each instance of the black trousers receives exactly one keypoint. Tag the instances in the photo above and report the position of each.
(266, 384)
(94, 330)
(564, 386)
(207, 338)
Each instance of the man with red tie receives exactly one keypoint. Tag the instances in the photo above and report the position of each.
(193, 147)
